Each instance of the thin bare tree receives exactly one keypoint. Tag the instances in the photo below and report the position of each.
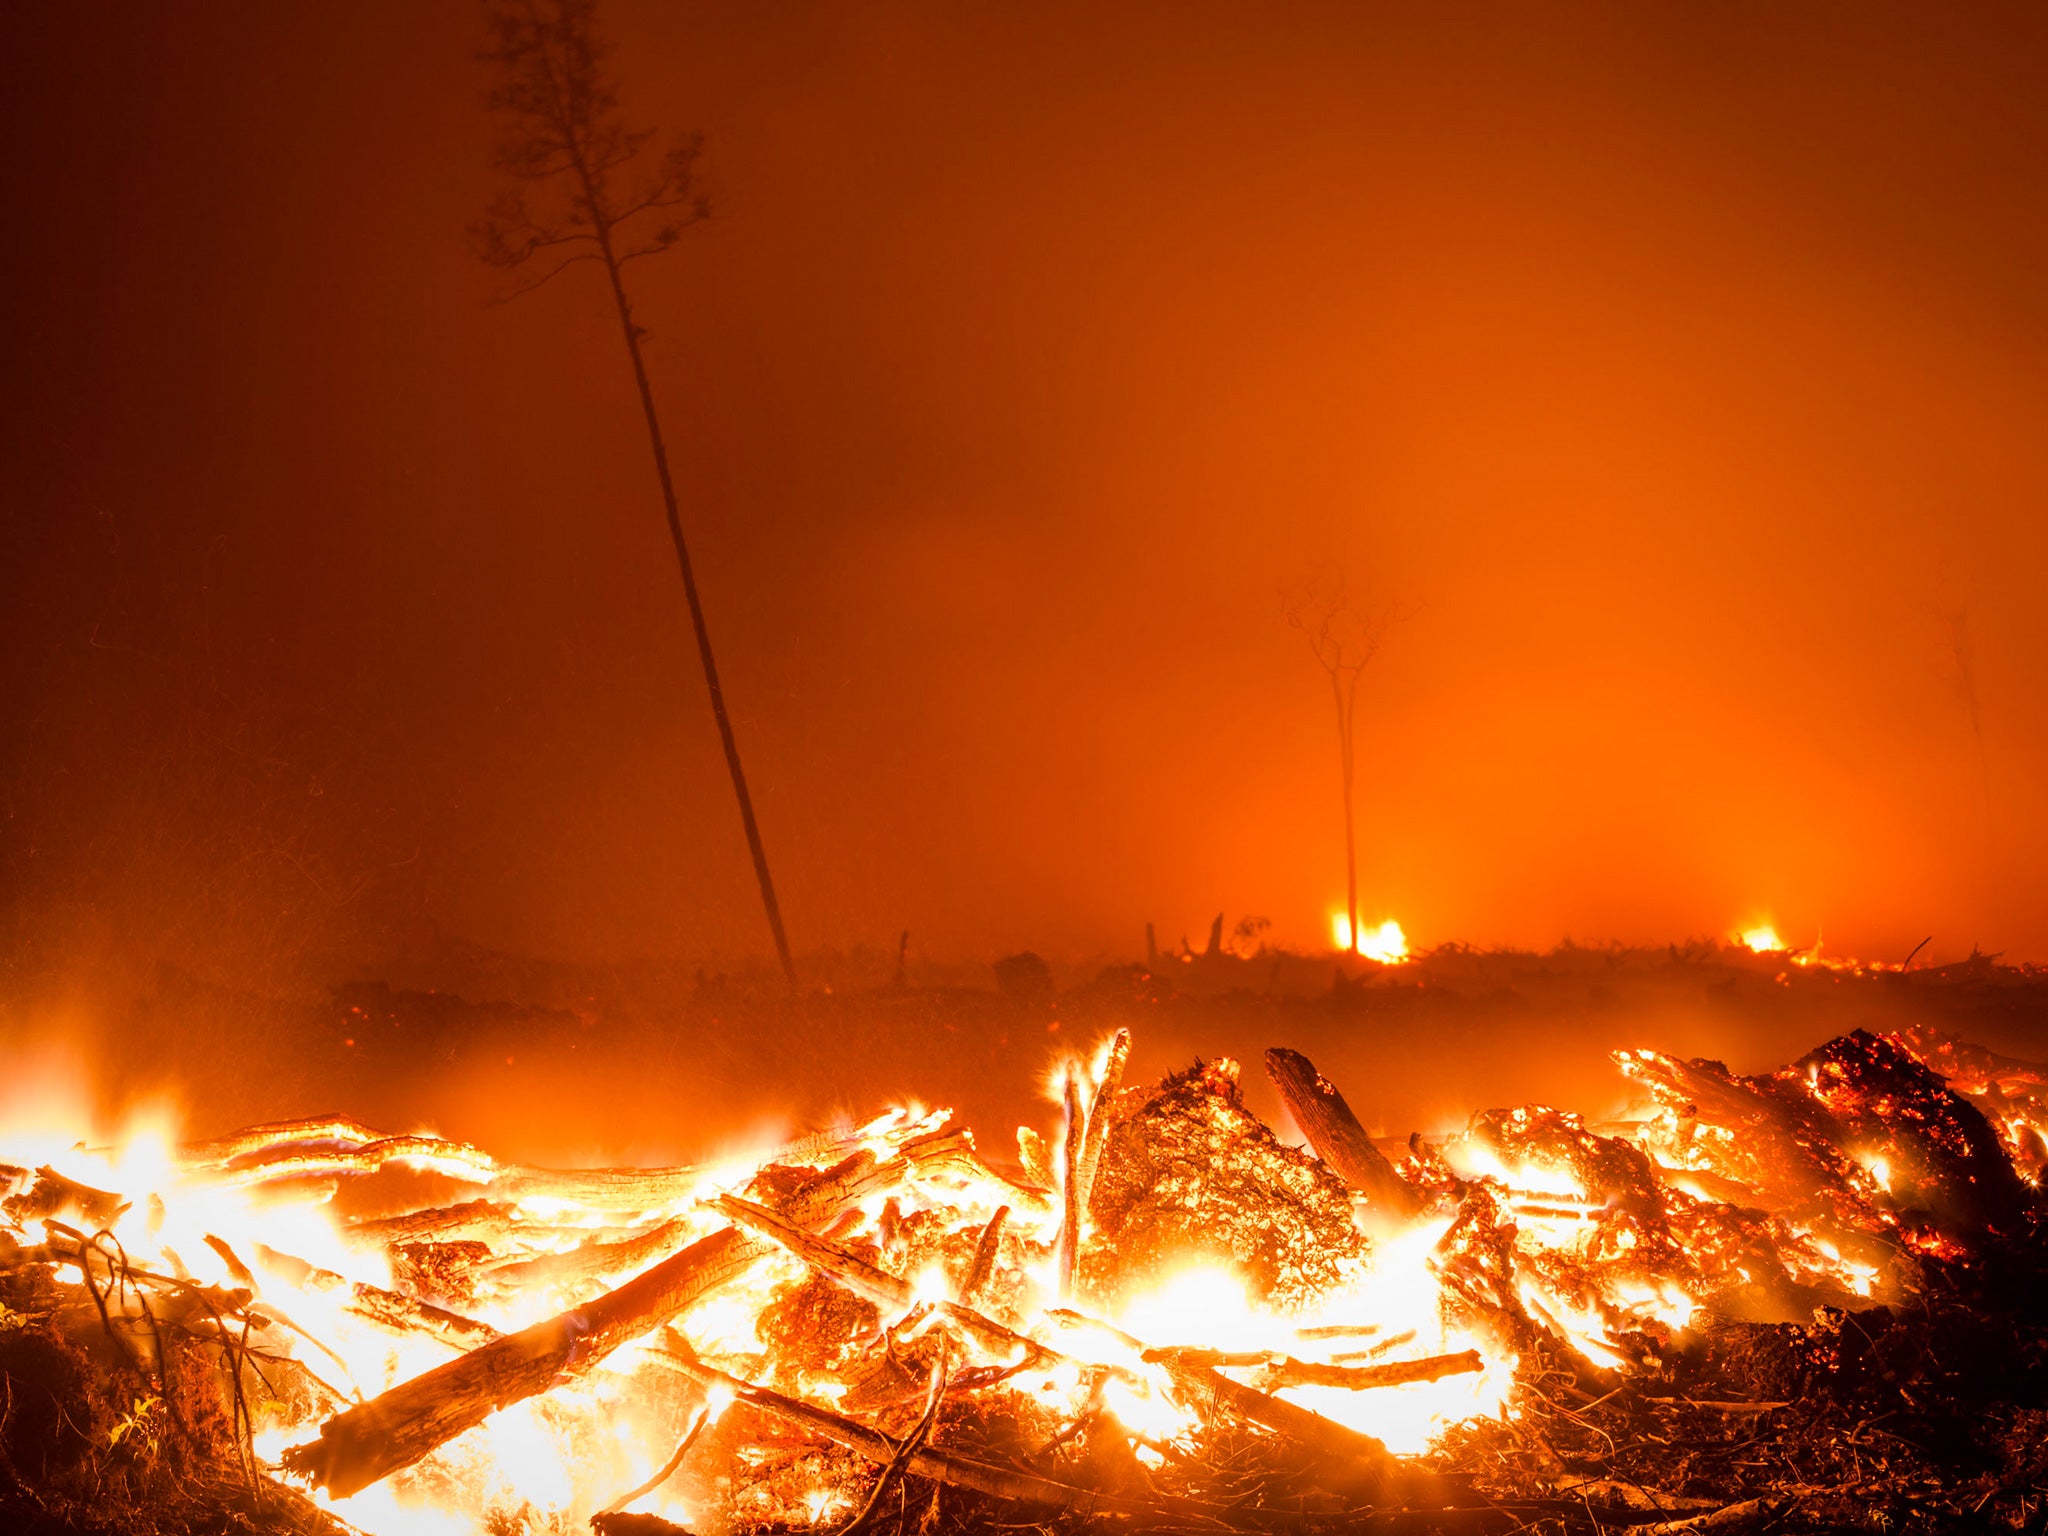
(1344, 637)
(580, 190)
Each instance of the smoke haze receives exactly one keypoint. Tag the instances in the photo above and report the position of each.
(1676, 373)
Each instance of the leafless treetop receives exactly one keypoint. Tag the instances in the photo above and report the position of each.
(581, 188)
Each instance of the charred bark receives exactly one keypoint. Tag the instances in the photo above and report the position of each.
(1333, 1130)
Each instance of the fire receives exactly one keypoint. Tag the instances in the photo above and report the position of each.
(1387, 943)
(920, 1270)
(1762, 940)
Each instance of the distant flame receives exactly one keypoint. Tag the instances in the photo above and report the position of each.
(1762, 939)
(1386, 943)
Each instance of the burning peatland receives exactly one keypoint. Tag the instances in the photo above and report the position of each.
(1807, 1299)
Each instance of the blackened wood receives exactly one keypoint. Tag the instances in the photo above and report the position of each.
(1333, 1130)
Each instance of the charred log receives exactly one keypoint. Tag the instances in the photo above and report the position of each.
(1333, 1130)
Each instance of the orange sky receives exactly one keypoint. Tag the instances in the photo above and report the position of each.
(1677, 369)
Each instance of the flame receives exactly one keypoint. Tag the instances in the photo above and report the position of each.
(1583, 1262)
(1387, 943)
(1762, 940)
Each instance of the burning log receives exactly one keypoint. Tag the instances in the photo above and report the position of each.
(1333, 1130)
(873, 1284)
(377, 1438)
(1210, 1390)
(1282, 1371)
(590, 1261)
(828, 1258)
(53, 1192)
(1115, 1059)
(485, 1221)
(1289, 1372)
(1071, 1194)
(256, 1139)
(1205, 1390)
(606, 1189)
(982, 1266)
(457, 1159)
(389, 1309)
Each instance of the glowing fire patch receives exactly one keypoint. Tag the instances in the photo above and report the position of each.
(1762, 939)
(1386, 943)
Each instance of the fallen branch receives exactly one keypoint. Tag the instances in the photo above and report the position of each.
(872, 1284)
(697, 1423)
(278, 1133)
(1205, 1390)
(1728, 1517)
(392, 1431)
(483, 1221)
(941, 1466)
(1333, 1130)
(592, 1260)
(388, 1309)
(1357, 1378)
(1717, 1405)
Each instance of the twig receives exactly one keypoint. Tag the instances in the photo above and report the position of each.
(911, 1445)
(668, 1468)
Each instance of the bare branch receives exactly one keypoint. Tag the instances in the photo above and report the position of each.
(565, 145)
(520, 290)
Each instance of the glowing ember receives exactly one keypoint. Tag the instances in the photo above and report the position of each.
(1387, 943)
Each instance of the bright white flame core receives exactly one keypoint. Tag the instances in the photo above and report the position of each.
(1386, 943)
(1762, 940)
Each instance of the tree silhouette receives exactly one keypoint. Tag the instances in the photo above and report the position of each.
(580, 190)
(1344, 638)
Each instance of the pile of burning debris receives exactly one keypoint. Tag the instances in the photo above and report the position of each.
(1806, 1300)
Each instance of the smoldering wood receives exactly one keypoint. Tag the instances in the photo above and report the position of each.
(1036, 1158)
(982, 1266)
(1728, 1517)
(1335, 1133)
